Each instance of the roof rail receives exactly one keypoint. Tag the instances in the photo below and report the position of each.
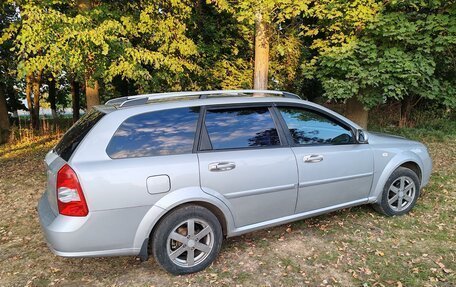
(142, 99)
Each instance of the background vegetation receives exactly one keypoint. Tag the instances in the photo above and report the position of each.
(394, 60)
(397, 56)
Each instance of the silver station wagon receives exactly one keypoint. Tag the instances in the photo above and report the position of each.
(172, 174)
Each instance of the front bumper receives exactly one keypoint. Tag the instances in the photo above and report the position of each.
(427, 170)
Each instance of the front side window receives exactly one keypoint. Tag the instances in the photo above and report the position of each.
(309, 128)
(157, 133)
(241, 128)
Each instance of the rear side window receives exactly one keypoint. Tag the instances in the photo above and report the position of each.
(157, 133)
(309, 128)
(76, 134)
(240, 128)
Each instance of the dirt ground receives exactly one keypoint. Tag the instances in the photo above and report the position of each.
(352, 247)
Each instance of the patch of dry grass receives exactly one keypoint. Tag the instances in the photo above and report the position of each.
(355, 247)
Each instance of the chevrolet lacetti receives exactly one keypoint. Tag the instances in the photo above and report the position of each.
(172, 174)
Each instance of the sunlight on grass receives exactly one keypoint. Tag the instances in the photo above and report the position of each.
(33, 145)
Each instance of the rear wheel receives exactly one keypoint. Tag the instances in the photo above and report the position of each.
(400, 193)
(187, 240)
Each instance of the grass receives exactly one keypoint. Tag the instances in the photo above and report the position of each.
(352, 247)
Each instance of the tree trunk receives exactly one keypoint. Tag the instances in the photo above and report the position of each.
(354, 110)
(406, 108)
(28, 95)
(84, 5)
(4, 121)
(123, 87)
(75, 97)
(52, 97)
(260, 76)
(91, 85)
(36, 100)
(92, 93)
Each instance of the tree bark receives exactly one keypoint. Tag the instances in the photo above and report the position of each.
(84, 5)
(13, 103)
(28, 95)
(260, 76)
(91, 84)
(4, 121)
(75, 99)
(92, 93)
(52, 97)
(406, 108)
(36, 100)
(354, 110)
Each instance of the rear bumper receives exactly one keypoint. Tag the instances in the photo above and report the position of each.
(101, 233)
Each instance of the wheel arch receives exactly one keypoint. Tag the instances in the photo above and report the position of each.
(211, 207)
(406, 159)
(414, 167)
(175, 200)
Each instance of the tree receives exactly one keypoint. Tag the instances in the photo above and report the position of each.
(32, 33)
(331, 30)
(75, 99)
(4, 121)
(52, 98)
(6, 56)
(223, 46)
(264, 18)
(156, 52)
(378, 51)
(91, 84)
(260, 74)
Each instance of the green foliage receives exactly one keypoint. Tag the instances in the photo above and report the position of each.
(398, 49)
(144, 42)
(224, 49)
(370, 49)
(283, 18)
(158, 55)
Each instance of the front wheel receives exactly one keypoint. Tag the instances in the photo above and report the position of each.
(400, 193)
(187, 240)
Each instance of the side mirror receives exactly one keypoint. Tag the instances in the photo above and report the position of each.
(361, 136)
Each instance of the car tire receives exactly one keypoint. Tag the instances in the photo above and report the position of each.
(180, 248)
(400, 193)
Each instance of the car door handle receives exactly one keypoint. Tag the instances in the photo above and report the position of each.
(221, 166)
(312, 158)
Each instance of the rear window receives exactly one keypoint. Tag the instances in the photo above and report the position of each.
(76, 134)
(157, 133)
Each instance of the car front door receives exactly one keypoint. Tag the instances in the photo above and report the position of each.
(334, 170)
(243, 158)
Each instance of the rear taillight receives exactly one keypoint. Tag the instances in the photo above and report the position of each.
(70, 198)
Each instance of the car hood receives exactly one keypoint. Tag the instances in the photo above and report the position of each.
(382, 138)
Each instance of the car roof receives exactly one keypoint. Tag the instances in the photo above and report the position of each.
(143, 99)
(225, 96)
(179, 102)
(194, 102)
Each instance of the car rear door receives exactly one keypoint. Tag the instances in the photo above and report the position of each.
(334, 170)
(243, 156)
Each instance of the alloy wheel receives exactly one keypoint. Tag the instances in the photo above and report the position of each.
(401, 193)
(190, 242)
